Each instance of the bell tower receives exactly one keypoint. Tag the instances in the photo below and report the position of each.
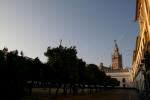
(116, 57)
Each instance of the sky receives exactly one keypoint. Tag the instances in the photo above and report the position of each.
(90, 25)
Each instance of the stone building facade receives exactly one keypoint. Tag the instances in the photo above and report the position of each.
(140, 62)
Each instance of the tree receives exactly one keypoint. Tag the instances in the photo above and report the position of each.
(114, 82)
(16, 71)
(14, 81)
(36, 69)
(81, 65)
(94, 76)
(2, 63)
(62, 61)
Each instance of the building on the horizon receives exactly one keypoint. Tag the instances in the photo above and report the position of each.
(117, 71)
(141, 54)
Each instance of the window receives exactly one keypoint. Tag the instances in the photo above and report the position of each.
(123, 80)
(124, 86)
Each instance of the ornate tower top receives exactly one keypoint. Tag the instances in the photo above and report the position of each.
(116, 49)
(116, 57)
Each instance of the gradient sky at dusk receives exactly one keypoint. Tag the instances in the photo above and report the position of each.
(90, 25)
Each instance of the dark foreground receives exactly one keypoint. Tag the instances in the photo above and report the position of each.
(112, 94)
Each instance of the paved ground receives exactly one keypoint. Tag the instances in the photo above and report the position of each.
(118, 94)
(114, 94)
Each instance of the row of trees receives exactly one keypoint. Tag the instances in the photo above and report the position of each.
(15, 71)
(63, 69)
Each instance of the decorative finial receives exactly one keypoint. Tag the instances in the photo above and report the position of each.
(60, 41)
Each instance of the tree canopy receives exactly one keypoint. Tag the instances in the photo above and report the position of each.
(63, 68)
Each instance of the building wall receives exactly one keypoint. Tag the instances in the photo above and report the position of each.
(142, 43)
(120, 76)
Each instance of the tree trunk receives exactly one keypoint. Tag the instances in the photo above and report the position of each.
(70, 89)
(57, 90)
(30, 88)
(74, 90)
(49, 91)
(82, 89)
(65, 90)
(90, 91)
(96, 89)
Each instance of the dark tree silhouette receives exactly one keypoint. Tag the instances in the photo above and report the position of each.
(63, 69)
(62, 61)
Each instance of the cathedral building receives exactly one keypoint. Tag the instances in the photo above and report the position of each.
(117, 71)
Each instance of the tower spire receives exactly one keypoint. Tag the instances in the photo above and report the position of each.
(116, 46)
(116, 57)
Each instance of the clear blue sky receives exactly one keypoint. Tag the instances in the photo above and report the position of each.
(90, 25)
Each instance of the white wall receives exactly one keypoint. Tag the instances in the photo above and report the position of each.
(120, 75)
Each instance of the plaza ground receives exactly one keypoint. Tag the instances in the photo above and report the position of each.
(108, 94)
